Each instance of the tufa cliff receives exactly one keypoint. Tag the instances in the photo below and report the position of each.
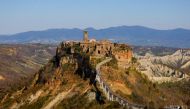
(68, 79)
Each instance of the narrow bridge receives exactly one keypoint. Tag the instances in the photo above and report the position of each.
(109, 93)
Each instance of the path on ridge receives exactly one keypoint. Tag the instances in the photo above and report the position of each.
(102, 63)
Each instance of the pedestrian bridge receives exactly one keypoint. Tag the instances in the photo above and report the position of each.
(110, 95)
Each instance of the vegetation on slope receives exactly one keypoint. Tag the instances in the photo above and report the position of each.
(58, 77)
(55, 78)
(19, 62)
(136, 87)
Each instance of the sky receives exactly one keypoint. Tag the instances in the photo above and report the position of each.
(30, 15)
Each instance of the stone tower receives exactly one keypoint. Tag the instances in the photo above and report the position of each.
(85, 39)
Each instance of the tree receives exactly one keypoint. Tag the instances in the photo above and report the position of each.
(134, 60)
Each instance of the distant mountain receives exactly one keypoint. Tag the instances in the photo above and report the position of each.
(136, 35)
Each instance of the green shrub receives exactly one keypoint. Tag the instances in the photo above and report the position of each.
(113, 63)
(134, 60)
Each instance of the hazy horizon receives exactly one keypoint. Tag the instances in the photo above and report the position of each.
(45, 29)
(21, 15)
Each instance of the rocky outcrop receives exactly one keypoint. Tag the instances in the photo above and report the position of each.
(176, 65)
(57, 75)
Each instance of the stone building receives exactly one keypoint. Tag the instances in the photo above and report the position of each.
(124, 55)
(98, 49)
(85, 38)
(122, 52)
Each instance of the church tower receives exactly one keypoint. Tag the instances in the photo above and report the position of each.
(85, 38)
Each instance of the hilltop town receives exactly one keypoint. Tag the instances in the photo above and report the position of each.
(94, 74)
(103, 48)
(100, 54)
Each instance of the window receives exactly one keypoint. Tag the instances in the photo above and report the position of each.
(98, 51)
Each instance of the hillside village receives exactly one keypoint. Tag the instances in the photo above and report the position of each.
(100, 54)
(93, 74)
(103, 48)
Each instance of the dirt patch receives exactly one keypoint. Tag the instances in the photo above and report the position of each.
(58, 99)
(132, 79)
(115, 79)
(115, 86)
(2, 78)
(35, 96)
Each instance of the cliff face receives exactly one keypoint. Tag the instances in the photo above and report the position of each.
(176, 65)
(66, 77)
(67, 81)
(68, 58)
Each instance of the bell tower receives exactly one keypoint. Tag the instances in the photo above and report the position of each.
(85, 37)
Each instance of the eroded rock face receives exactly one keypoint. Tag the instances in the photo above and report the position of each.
(91, 96)
(175, 65)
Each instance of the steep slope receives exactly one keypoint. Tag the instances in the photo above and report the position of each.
(171, 67)
(176, 64)
(66, 81)
(18, 62)
(136, 88)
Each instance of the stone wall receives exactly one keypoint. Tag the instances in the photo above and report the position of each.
(97, 48)
(124, 55)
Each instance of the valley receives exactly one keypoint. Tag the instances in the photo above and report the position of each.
(98, 54)
(19, 62)
(67, 74)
